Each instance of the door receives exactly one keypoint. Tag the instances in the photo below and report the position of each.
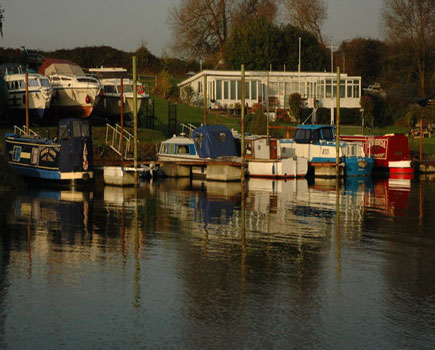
(273, 151)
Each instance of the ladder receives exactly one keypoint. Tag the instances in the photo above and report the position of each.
(187, 127)
(22, 131)
(113, 140)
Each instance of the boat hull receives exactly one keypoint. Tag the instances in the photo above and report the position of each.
(278, 168)
(77, 102)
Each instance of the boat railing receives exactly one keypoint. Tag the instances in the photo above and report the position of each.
(113, 140)
(22, 132)
(187, 127)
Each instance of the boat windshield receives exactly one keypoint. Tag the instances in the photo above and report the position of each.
(33, 82)
(327, 134)
(80, 128)
(126, 88)
(45, 83)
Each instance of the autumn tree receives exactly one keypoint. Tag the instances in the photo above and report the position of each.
(410, 24)
(308, 16)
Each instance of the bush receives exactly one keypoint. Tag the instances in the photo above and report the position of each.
(257, 123)
(165, 85)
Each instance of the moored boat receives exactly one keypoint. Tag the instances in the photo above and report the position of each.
(390, 151)
(317, 143)
(110, 103)
(74, 93)
(39, 92)
(265, 159)
(66, 159)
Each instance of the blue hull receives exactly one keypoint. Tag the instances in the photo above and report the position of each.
(36, 173)
(361, 166)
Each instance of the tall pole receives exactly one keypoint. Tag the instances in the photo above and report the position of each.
(337, 136)
(299, 67)
(122, 118)
(421, 139)
(267, 108)
(27, 102)
(332, 85)
(135, 110)
(204, 110)
(242, 123)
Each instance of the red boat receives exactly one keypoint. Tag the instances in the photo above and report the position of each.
(389, 151)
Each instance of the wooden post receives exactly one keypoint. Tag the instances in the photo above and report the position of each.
(204, 116)
(421, 139)
(242, 122)
(27, 102)
(267, 109)
(122, 118)
(135, 110)
(337, 136)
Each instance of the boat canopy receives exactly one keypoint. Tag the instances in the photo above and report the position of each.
(314, 133)
(213, 141)
(60, 66)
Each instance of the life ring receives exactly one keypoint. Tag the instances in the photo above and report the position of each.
(140, 90)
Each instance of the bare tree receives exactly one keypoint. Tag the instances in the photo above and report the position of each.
(411, 25)
(201, 27)
(308, 16)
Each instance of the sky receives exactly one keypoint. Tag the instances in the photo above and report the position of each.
(125, 24)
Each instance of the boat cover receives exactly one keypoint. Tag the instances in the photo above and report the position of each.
(60, 66)
(213, 141)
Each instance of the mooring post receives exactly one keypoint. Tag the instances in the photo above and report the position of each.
(204, 110)
(135, 111)
(122, 118)
(27, 102)
(421, 139)
(242, 123)
(337, 136)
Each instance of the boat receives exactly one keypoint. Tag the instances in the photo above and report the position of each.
(109, 105)
(67, 159)
(39, 92)
(266, 160)
(390, 152)
(317, 143)
(74, 93)
(194, 153)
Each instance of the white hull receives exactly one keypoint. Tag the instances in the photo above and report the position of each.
(278, 168)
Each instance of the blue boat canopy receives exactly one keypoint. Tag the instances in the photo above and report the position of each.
(213, 141)
(314, 133)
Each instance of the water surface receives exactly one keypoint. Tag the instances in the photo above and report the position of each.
(197, 265)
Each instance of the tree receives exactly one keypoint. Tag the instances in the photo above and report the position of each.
(410, 24)
(363, 57)
(1, 20)
(258, 123)
(308, 17)
(259, 43)
(295, 106)
(199, 27)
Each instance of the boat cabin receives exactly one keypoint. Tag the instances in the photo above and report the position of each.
(314, 133)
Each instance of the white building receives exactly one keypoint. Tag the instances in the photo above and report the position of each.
(224, 88)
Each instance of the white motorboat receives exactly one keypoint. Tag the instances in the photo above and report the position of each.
(74, 93)
(39, 91)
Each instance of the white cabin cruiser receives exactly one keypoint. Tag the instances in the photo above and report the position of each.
(39, 91)
(74, 93)
(110, 103)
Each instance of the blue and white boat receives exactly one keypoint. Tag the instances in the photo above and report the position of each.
(67, 159)
(317, 143)
(39, 91)
(198, 149)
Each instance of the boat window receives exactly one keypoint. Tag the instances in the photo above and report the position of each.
(55, 78)
(171, 148)
(109, 89)
(163, 148)
(63, 132)
(302, 136)
(86, 80)
(84, 129)
(126, 88)
(66, 79)
(183, 149)
(33, 82)
(16, 153)
(35, 154)
(315, 135)
(325, 151)
(80, 128)
(45, 82)
(327, 134)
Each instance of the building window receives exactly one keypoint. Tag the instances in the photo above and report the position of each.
(342, 89)
(219, 89)
(273, 89)
(247, 90)
(239, 90)
(328, 87)
(225, 90)
(349, 88)
(356, 88)
(254, 90)
(233, 89)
